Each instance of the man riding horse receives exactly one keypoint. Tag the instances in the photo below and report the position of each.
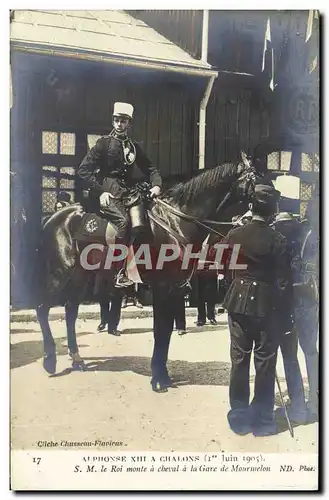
(182, 216)
(110, 170)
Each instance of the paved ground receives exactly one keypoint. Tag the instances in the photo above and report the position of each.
(113, 400)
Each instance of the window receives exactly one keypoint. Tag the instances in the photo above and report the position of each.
(67, 144)
(306, 191)
(316, 163)
(310, 163)
(92, 139)
(279, 160)
(54, 180)
(54, 143)
(57, 178)
(49, 143)
(48, 201)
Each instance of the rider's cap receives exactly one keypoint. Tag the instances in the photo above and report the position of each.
(266, 195)
(123, 109)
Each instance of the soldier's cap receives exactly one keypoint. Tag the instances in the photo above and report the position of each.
(265, 194)
(123, 109)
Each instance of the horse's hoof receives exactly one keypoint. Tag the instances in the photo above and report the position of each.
(79, 366)
(49, 363)
(161, 385)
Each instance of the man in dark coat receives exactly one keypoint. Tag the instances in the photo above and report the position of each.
(110, 312)
(207, 296)
(290, 229)
(253, 300)
(110, 169)
(306, 304)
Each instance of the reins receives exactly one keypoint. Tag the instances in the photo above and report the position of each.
(204, 223)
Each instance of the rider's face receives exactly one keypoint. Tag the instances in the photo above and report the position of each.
(120, 124)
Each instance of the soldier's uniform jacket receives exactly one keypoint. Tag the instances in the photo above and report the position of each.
(261, 288)
(114, 165)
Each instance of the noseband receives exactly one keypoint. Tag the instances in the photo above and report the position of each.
(248, 174)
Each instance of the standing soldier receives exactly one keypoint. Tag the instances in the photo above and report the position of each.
(207, 295)
(297, 410)
(252, 302)
(307, 306)
(110, 312)
(110, 169)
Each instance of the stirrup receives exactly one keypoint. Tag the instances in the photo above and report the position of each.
(122, 280)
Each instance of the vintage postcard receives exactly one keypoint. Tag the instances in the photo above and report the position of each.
(165, 180)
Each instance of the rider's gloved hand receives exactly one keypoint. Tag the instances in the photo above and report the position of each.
(104, 199)
(155, 191)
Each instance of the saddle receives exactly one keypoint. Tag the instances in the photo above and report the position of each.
(92, 228)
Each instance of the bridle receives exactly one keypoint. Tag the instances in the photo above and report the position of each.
(248, 174)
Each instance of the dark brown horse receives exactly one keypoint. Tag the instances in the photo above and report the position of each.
(217, 193)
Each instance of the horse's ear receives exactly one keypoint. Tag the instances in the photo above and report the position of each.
(244, 158)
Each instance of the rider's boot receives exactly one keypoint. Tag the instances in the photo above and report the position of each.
(122, 280)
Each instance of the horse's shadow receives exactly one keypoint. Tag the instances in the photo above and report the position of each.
(132, 331)
(191, 329)
(206, 328)
(23, 330)
(182, 372)
(27, 352)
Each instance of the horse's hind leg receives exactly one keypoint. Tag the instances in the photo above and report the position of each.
(71, 314)
(49, 347)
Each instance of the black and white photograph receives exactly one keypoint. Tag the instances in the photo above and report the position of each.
(164, 249)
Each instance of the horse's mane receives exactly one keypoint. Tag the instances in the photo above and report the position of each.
(186, 189)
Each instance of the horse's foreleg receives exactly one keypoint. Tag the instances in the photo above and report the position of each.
(49, 347)
(163, 322)
(71, 314)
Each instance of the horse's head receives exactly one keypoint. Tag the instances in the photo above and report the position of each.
(243, 186)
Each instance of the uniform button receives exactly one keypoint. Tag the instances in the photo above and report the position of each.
(241, 282)
(255, 283)
(252, 298)
(240, 295)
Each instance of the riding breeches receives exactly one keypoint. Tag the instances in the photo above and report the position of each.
(117, 214)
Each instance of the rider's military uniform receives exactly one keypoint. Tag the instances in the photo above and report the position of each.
(253, 300)
(114, 165)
